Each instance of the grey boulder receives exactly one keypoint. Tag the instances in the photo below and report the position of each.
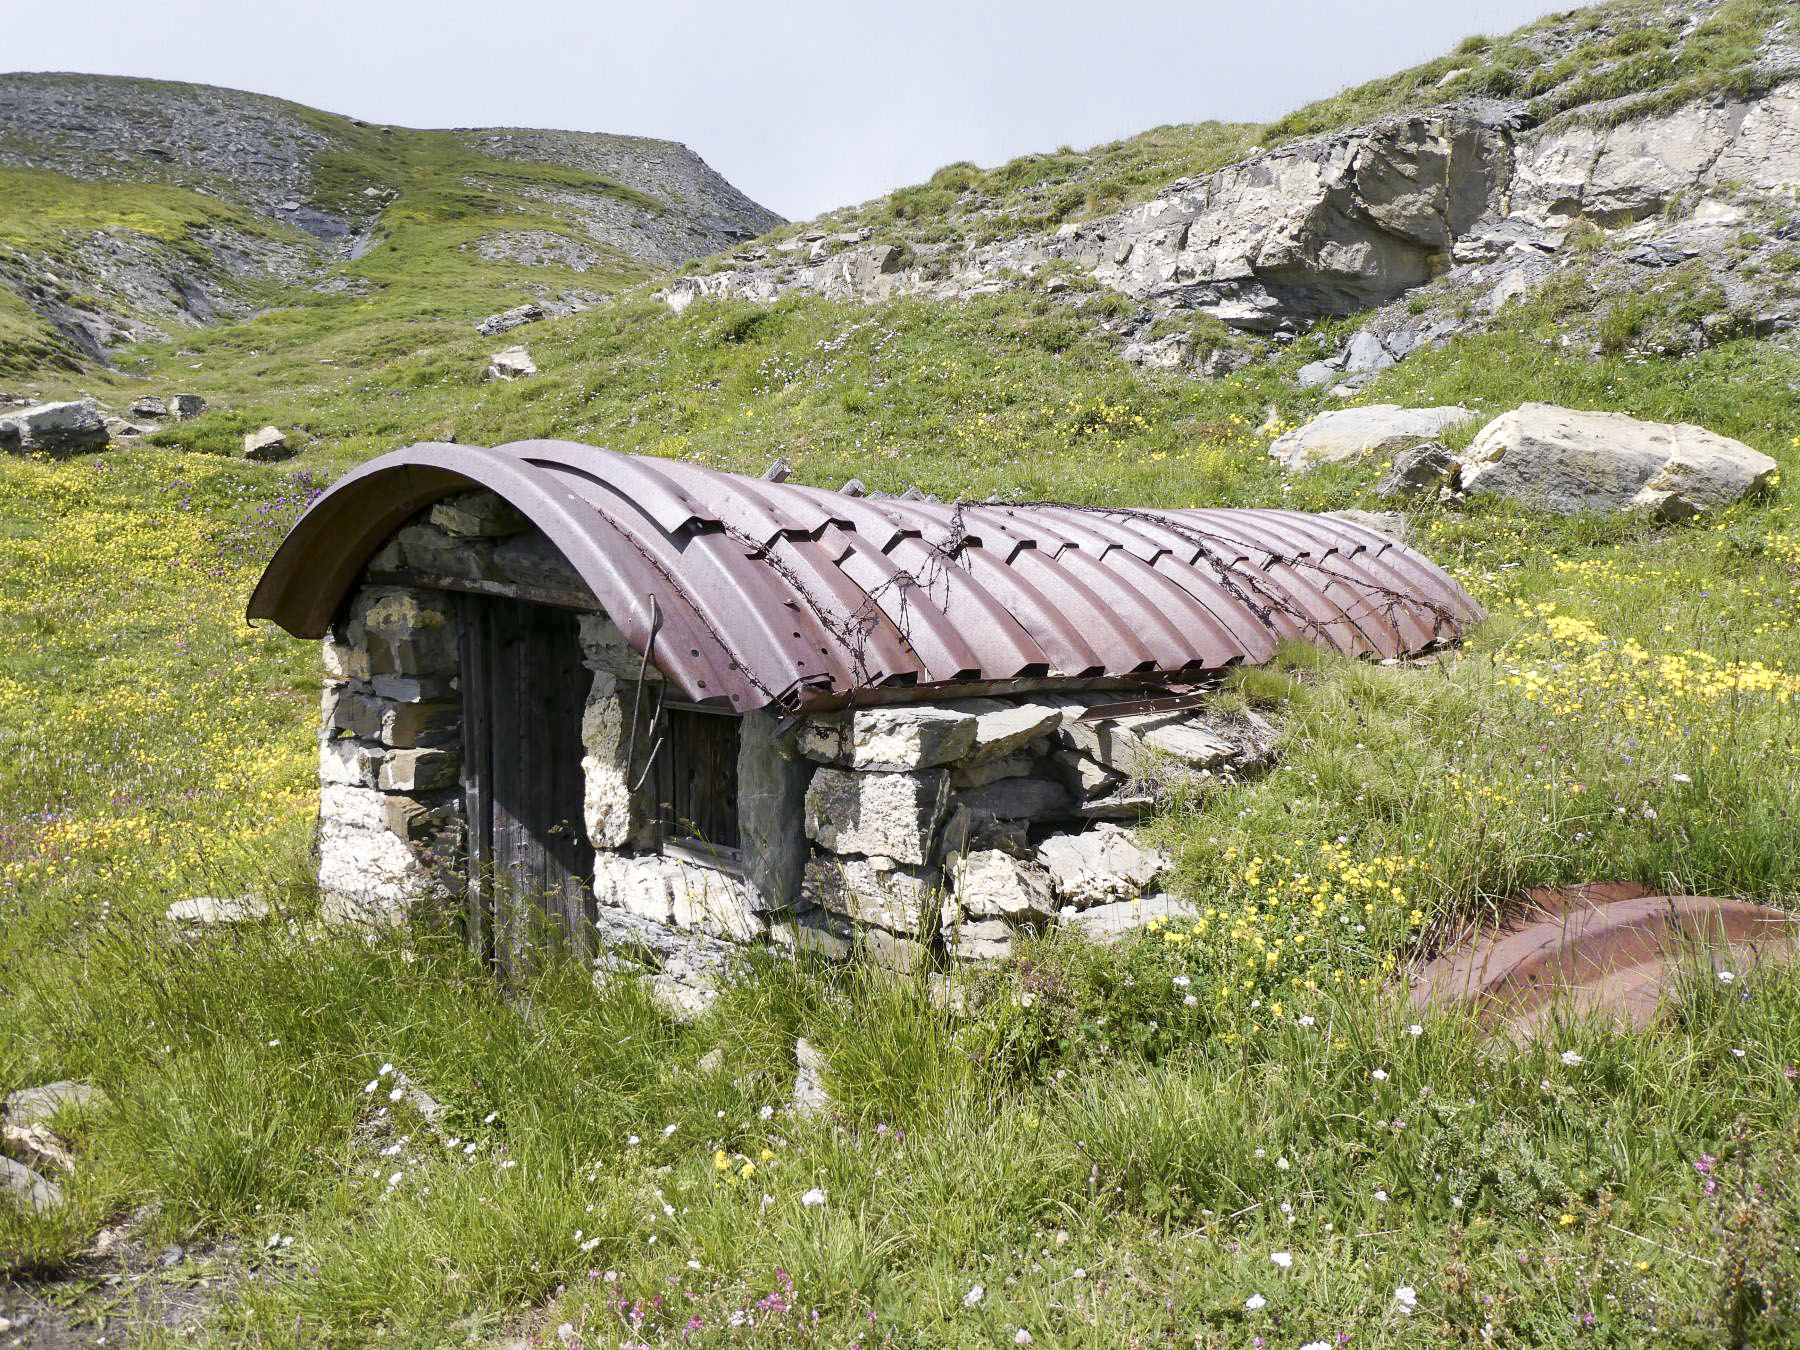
(1568, 461)
(1422, 468)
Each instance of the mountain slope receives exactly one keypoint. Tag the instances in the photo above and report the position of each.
(130, 209)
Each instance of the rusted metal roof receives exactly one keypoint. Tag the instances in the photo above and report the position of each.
(756, 594)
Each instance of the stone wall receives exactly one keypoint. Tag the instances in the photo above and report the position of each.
(919, 834)
(924, 833)
(390, 755)
(951, 829)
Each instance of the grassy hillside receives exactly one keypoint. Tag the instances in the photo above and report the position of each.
(1111, 1147)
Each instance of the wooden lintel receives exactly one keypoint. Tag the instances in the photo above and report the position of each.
(560, 597)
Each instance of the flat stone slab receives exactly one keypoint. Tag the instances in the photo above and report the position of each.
(1347, 434)
(210, 909)
(1120, 918)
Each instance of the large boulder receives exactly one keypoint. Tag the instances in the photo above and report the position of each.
(1347, 434)
(1567, 461)
(54, 429)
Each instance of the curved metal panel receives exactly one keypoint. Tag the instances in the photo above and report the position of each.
(756, 594)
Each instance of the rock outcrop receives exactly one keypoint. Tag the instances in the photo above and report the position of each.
(1470, 194)
(268, 204)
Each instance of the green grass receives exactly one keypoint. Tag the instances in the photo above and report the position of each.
(1081, 1117)
(1645, 62)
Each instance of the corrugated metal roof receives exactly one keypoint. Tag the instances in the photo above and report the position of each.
(754, 593)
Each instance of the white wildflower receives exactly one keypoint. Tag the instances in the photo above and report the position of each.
(1282, 1259)
(371, 1085)
(1306, 1020)
(1571, 1058)
(1726, 977)
(975, 1295)
(813, 1198)
(1680, 778)
(668, 1130)
(1406, 1298)
(767, 1113)
(1379, 1075)
(1381, 1196)
(1182, 982)
(1283, 1164)
(1415, 1030)
(1255, 1303)
(386, 1069)
(396, 1094)
(1021, 1337)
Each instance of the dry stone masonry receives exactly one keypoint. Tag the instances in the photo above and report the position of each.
(917, 834)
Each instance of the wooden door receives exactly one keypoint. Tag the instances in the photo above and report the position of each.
(530, 863)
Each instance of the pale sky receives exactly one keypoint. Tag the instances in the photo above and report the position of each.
(803, 104)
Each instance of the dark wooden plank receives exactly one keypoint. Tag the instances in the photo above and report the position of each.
(475, 653)
(702, 749)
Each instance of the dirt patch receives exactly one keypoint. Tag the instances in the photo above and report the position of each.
(120, 1289)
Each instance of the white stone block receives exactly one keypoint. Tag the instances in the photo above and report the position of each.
(891, 815)
(992, 884)
(1099, 865)
(891, 738)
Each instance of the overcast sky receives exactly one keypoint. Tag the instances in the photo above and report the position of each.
(804, 104)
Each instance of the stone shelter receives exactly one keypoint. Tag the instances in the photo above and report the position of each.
(659, 711)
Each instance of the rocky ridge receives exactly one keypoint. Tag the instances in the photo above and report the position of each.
(1435, 219)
